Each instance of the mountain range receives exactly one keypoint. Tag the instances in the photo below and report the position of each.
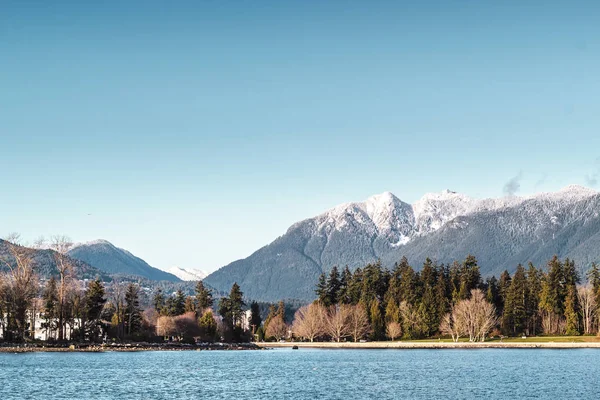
(444, 226)
(44, 262)
(109, 258)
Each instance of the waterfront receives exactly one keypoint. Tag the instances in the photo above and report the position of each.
(304, 374)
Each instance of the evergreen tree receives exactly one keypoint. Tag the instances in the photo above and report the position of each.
(132, 312)
(272, 313)
(204, 297)
(454, 281)
(394, 292)
(158, 302)
(534, 288)
(377, 323)
(514, 317)
(321, 290)
(236, 303)
(280, 311)
(492, 294)
(555, 287)
(94, 304)
(354, 291)
(179, 303)
(593, 277)
(429, 318)
(333, 287)
(572, 307)
(231, 309)
(392, 312)
(50, 298)
(208, 326)
(572, 312)
(408, 284)
(190, 304)
(442, 295)
(503, 285)
(470, 277)
(374, 283)
(343, 295)
(255, 319)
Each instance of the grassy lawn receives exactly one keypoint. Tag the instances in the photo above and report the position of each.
(531, 339)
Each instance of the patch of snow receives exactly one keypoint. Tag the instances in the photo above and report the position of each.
(402, 241)
(187, 274)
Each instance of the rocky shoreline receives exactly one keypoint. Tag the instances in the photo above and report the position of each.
(122, 347)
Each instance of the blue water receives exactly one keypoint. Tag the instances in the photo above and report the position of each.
(304, 374)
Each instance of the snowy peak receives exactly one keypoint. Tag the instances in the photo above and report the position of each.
(568, 193)
(385, 215)
(187, 274)
(97, 242)
(445, 226)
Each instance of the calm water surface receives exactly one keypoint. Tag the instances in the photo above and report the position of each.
(304, 374)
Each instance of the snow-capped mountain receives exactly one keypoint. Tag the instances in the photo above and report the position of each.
(107, 257)
(446, 226)
(187, 274)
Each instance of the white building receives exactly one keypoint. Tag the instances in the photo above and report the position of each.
(42, 333)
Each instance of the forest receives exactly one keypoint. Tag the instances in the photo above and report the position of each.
(449, 301)
(369, 303)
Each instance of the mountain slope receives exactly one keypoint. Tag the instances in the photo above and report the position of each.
(44, 264)
(107, 257)
(446, 226)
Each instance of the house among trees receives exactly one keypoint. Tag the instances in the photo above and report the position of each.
(47, 330)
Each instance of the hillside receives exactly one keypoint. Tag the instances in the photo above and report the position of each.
(445, 226)
(105, 256)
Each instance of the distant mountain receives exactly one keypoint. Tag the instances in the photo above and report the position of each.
(187, 274)
(445, 226)
(44, 264)
(105, 256)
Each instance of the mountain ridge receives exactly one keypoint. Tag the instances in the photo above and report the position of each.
(109, 258)
(444, 225)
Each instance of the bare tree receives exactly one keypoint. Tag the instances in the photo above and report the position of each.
(20, 285)
(309, 321)
(393, 330)
(450, 326)
(337, 324)
(475, 316)
(359, 322)
(165, 326)
(61, 245)
(3, 303)
(589, 308)
(411, 319)
(277, 328)
(117, 293)
(187, 326)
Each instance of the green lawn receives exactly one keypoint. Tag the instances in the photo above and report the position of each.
(531, 339)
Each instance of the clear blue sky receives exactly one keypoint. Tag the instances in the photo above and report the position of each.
(196, 132)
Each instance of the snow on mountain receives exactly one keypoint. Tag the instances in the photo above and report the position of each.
(444, 225)
(187, 274)
(385, 214)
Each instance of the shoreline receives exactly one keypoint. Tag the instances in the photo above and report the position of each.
(434, 345)
(133, 347)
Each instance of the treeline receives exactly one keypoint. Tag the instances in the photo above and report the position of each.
(192, 317)
(64, 308)
(371, 302)
(451, 300)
